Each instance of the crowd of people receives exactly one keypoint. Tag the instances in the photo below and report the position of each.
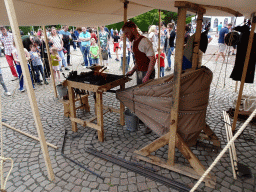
(92, 46)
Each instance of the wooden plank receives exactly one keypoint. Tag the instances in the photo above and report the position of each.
(86, 123)
(225, 9)
(84, 86)
(98, 34)
(155, 145)
(159, 39)
(28, 135)
(178, 168)
(124, 39)
(246, 62)
(113, 84)
(196, 8)
(31, 94)
(189, 155)
(77, 120)
(72, 106)
(230, 149)
(176, 87)
(236, 86)
(99, 109)
(122, 122)
(50, 61)
(195, 57)
(111, 109)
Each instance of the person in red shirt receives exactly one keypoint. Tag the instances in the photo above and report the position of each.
(162, 64)
(93, 35)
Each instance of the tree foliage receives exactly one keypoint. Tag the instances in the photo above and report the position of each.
(144, 20)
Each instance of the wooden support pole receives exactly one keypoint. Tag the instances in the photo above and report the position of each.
(99, 109)
(246, 62)
(31, 94)
(50, 61)
(122, 122)
(159, 39)
(124, 37)
(28, 135)
(197, 39)
(98, 34)
(236, 86)
(176, 89)
(72, 105)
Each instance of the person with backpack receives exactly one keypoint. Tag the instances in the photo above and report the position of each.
(66, 36)
(57, 42)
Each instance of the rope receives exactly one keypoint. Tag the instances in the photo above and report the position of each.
(223, 151)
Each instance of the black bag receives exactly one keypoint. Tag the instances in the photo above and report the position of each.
(65, 39)
(104, 55)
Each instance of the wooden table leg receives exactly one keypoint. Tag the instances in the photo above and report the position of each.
(72, 106)
(122, 122)
(99, 108)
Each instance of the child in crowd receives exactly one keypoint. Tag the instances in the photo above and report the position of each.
(18, 67)
(55, 58)
(6, 92)
(121, 45)
(162, 65)
(94, 51)
(37, 64)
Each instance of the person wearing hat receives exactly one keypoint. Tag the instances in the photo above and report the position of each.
(7, 41)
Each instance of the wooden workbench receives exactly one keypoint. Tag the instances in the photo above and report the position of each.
(98, 90)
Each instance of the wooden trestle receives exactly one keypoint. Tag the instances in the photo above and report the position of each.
(173, 138)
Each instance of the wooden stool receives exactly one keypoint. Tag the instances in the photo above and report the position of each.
(83, 104)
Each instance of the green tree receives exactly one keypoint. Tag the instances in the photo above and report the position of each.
(143, 21)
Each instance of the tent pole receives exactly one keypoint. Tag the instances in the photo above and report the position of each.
(31, 94)
(49, 59)
(98, 35)
(159, 37)
(246, 62)
(236, 86)
(124, 37)
(176, 89)
(197, 41)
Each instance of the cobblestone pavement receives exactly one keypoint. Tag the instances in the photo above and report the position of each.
(29, 173)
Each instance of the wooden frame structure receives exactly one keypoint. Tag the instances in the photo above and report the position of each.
(98, 90)
(173, 138)
(246, 63)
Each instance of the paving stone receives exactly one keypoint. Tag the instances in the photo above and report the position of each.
(115, 181)
(122, 188)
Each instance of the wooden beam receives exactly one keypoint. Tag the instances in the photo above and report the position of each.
(225, 9)
(176, 82)
(28, 135)
(246, 62)
(193, 7)
(26, 74)
(195, 57)
(122, 122)
(99, 111)
(99, 45)
(124, 37)
(178, 168)
(72, 106)
(159, 38)
(50, 61)
(192, 159)
(155, 145)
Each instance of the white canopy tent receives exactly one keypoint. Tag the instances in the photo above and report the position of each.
(103, 12)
